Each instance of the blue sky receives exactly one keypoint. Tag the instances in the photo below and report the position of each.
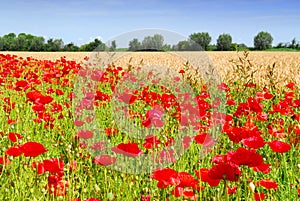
(80, 21)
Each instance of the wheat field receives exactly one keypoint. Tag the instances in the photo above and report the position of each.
(282, 67)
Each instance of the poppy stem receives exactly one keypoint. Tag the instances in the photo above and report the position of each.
(224, 189)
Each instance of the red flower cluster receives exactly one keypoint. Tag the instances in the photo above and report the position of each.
(185, 184)
(56, 185)
(130, 149)
(31, 149)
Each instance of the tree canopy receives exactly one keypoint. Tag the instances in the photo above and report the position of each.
(224, 42)
(195, 42)
(263, 40)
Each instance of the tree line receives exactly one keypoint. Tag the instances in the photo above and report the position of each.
(195, 42)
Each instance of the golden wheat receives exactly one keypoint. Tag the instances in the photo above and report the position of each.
(285, 66)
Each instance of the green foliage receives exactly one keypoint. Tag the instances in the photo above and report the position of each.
(54, 45)
(134, 45)
(70, 47)
(22, 42)
(182, 46)
(196, 42)
(113, 46)
(96, 45)
(238, 47)
(212, 48)
(224, 42)
(187, 45)
(293, 43)
(203, 39)
(153, 42)
(263, 41)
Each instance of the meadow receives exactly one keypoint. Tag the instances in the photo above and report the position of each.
(97, 126)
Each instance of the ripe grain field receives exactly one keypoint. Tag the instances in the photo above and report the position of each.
(285, 65)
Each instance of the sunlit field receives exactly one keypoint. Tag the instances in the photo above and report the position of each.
(68, 129)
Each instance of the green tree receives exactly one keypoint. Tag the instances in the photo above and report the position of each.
(9, 42)
(224, 42)
(134, 45)
(38, 43)
(166, 47)
(293, 43)
(1, 44)
(182, 45)
(96, 45)
(54, 45)
(263, 40)
(203, 39)
(70, 47)
(113, 46)
(280, 45)
(153, 42)
(21, 42)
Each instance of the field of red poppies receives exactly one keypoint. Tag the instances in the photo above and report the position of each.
(72, 132)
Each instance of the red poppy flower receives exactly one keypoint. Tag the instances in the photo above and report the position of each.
(259, 196)
(221, 158)
(153, 117)
(176, 79)
(205, 139)
(231, 190)
(245, 157)
(39, 166)
(279, 146)
(146, 197)
(33, 149)
(224, 171)
(54, 165)
(78, 123)
(224, 87)
(14, 136)
(44, 100)
(85, 134)
(186, 141)
(59, 92)
(151, 141)
(290, 85)
(33, 95)
(21, 85)
(165, 177)
(230, 102)
(50, 90)
(264, 168)
(127, 98)
(101, 96)
(92, 199)
(187, 193)
(13, 151)
(57, 188)
(267, 183)
(254, 142)
(104, 160)
(38, 107)
(202, 174)
(110, 131)
(187, 180)
(99, 146)
(128, 149)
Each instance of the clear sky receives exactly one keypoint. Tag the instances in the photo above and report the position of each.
(80, 21)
